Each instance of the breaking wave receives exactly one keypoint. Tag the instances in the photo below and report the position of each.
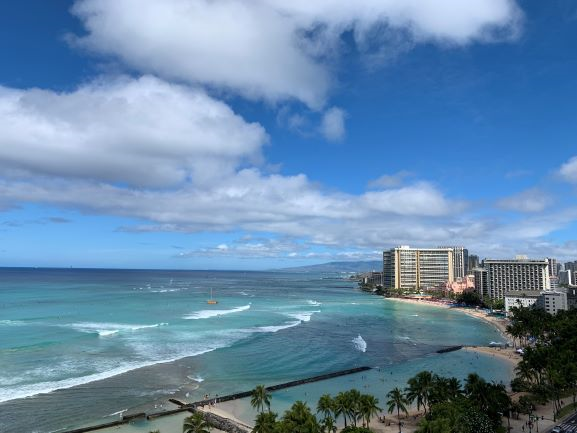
(207, 314)
(360, 344)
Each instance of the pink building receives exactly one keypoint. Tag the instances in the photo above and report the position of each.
(460, 285)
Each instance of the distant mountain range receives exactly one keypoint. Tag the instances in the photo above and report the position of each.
(361, 266)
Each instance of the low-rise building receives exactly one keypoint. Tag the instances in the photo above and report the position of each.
(460, 285)
(521, 298)
(552, 302)
(571, 297)
(549, 300)
(372, 279)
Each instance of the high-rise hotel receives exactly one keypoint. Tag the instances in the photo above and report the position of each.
(520, 274)
(415, 268)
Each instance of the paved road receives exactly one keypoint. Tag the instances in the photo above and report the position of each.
(570, 424)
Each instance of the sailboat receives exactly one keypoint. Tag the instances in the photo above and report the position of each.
(211, 300)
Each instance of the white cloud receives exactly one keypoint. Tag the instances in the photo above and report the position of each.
(531, 200)
(390, 180)
(275, 49)
(568, 170)
(333, 124)
(251, 201)
(142, 132)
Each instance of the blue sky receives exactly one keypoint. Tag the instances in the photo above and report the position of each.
(249, 135)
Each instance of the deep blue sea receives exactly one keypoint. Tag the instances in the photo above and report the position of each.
(78, 346)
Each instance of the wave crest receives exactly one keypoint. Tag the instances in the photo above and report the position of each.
(360, 344)
(207, 314)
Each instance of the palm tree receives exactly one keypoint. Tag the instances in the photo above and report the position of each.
(341, 406)
(353, 401)
(326, 406)
(454, 390)
(420, 389)
(397, 401)
(299, 419)
(368, 407)
(328, 425)
(265, 422)
(260, 398)
(196, 424)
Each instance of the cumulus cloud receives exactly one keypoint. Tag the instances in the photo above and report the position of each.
(333, 124)
(568, 170)
(142, 132)
(390, 180)
(275, 49)
(531, 200)
(249, 200)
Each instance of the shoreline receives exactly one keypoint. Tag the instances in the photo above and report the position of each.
(500, 324)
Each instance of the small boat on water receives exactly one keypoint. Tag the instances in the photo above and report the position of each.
(211, 301)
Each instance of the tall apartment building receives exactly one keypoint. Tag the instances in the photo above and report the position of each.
(553, 272)
(473, 262)
(481, 284)
(566, 277)
(520, 274)
(415, 268)
(571, 266)
(460, 261)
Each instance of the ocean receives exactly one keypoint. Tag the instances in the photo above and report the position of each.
(82, 346)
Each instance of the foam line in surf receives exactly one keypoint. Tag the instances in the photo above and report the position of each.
(108, 329)
(29, 390)
(303, 316)
(207, 314)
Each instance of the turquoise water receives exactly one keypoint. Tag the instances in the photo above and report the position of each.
(78, 346)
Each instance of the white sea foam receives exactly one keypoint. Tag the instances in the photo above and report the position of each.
(105, 333)
(119, 413)
(165, 290)
(207, 314)
(12, 322)
(30, 390)
(108, 329)
(315, 303)
(303, 316)
(198, 378)
(414, 315)
(273, 329)
(359, 343)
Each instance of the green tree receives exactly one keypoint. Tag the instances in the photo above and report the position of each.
(260, 398)
(342, 405)
(265, 422)
(326, 406)
(368, 407)
(397, 401)
(299, 419)
(195, 424)
(328, 425)
(353, 405)
(419, 389)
